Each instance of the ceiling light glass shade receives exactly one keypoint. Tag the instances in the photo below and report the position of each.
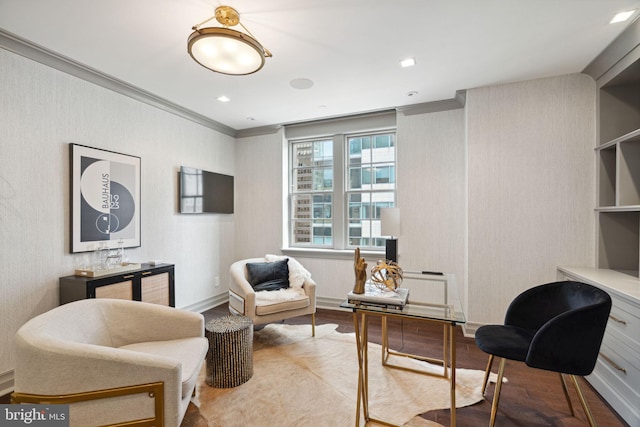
(226, 51)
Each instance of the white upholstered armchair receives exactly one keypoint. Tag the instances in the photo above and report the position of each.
(266, 306)
(112, 361)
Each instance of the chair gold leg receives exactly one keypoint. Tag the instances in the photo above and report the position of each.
(487, 372)
(583, 401)
(566, 394)
(496, 393)
(313, 324)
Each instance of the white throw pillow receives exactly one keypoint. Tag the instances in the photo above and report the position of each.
(297, 273)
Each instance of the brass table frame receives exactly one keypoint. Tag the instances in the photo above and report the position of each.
(361, 325)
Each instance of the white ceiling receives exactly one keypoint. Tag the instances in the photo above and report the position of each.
(350, 49)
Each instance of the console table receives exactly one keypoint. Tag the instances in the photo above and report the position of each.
(150, 283)
(438, 304)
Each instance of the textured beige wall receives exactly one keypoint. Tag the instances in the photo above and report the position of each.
(260, 163)
(431, 178)
(531, 193)
(43, 110)
(432, 193)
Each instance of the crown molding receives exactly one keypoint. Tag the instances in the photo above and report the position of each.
(258, 131)
(27, 49)
(436, 106)
(627, 41)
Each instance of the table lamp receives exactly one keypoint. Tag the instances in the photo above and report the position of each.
(390, 226)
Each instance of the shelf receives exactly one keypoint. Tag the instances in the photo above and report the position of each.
(619, 171)
(607, 175)
(619, 241)
(633, 136)
(629, 173)
(620, 104)
(610, 208)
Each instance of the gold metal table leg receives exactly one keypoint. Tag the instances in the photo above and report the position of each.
(385, 340)
(365, 365)
(445, 348)
(452, 376)
(360, 326)
(362, 343)
(356, 327)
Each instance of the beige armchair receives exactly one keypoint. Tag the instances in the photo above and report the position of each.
(115, 362)
(272, 306)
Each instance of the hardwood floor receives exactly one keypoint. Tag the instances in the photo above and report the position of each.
(530, 398)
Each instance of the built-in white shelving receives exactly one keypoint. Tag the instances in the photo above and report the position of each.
(618, 152)
(616, 375)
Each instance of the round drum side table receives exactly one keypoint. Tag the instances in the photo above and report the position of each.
(230, 355)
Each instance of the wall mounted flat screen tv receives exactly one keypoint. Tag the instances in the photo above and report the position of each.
(205, 192)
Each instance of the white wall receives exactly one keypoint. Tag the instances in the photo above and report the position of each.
(531, 187)
(43, 110)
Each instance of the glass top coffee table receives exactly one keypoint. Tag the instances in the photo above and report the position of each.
(432, 298)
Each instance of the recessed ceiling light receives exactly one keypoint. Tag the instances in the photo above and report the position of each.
(409, 62)
(412, 93)
(223, 99)
(622, 16)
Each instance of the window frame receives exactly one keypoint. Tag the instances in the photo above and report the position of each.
(340, 191)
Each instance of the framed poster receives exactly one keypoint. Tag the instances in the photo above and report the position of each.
(105, 199)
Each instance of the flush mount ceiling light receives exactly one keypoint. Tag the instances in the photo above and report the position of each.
(224, 50)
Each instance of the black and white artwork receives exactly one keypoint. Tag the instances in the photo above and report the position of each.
(105, 199)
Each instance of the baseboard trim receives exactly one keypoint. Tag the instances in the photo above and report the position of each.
(207, 304)
(329, 303)
(469, 329)
(326, 303)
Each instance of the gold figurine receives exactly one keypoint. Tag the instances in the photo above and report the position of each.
(360, 268)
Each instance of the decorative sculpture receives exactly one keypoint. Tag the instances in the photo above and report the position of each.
(386, 275)
(360, 268)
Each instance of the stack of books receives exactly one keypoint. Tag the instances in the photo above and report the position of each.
(380, 297)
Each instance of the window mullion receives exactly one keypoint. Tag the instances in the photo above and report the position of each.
(339, 198)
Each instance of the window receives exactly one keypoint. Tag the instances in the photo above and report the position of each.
(371, 186)
(338, 186)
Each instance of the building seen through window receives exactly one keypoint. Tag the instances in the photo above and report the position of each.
(323, 208)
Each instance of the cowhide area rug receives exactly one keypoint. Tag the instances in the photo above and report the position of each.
(305, 381)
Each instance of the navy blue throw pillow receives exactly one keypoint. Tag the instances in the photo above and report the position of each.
(268, 276)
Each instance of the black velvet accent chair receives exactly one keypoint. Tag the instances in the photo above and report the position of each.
(557, 327)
